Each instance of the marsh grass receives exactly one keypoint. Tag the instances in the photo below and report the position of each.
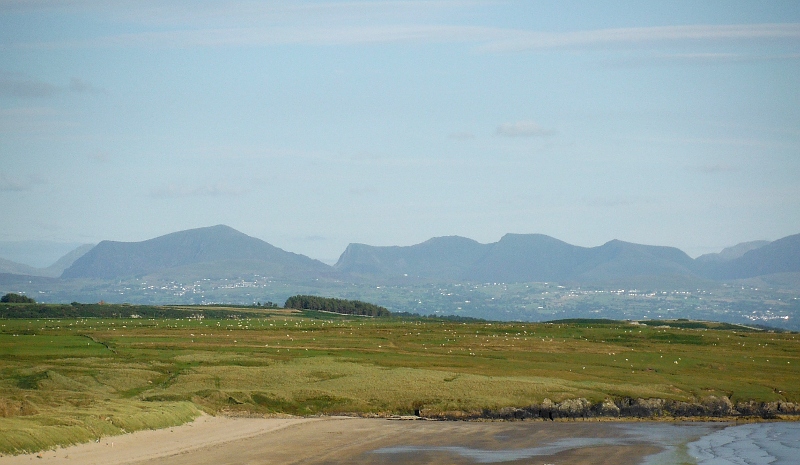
(74, 380)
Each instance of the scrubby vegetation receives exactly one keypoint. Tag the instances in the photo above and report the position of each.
(67, 380)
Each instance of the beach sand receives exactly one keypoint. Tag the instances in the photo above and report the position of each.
(328, 440)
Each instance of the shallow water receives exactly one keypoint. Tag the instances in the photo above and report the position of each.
(755, 444)
(505, 455)
(678, 443)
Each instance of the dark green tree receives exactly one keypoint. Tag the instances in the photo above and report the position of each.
(327, 304)
(12, 298)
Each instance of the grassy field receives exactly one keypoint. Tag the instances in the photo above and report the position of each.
(73, 380)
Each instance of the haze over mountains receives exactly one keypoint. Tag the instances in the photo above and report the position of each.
(53, 271)
(540, 258)
(221, 252)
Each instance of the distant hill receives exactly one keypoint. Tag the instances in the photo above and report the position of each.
(731, 253)
(38, 254)
(527, 257)
(215, 251)
(516, 258)
(540, 258)
(8, 266)
(438, 258)
(52, 271)
(781, 256)
(635, 264)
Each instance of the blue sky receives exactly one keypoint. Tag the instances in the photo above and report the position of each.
(315, 124)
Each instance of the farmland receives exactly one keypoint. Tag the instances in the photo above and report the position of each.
(75, 379)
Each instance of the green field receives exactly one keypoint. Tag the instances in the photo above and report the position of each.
(75, 379)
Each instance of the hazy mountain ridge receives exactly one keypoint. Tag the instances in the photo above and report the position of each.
(220, 252)
(192, 248)
(52, 271)
(781, 256)
(11, 267)
(521, 258)
(731, 253)
(437, 258)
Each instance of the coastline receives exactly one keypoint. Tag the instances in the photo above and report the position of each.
(225, 439)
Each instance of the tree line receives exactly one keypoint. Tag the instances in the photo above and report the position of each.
(329, 304)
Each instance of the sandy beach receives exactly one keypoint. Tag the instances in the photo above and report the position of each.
(223, 440)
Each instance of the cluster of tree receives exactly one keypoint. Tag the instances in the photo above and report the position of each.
(12, 298)
(327, 304)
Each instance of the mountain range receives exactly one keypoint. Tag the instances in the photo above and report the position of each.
(540, 258)
(222, 252)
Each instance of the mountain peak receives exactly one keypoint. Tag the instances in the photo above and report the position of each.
(213, 244)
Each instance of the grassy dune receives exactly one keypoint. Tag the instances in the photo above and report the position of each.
(73, 380)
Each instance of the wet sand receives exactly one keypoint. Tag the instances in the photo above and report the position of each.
(222, 440)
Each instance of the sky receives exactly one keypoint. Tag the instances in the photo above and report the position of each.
(312, 125)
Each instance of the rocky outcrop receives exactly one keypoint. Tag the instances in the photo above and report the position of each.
(707, 407)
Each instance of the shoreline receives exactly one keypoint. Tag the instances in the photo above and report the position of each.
(209, 439)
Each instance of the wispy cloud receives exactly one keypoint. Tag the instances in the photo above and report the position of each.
(205, 190)
(698, 59)
(643, 35)
(16, 183)
(27, 88)
(523, 129)
(280, 35)
(181, 23)
(15, 85)
(12, 184)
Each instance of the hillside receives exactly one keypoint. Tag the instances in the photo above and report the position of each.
(781, 256)
(438, 258)
(216, 250)
(8, 266)
(517, 258)
(52, 271)
(731, 253)
(540, 258)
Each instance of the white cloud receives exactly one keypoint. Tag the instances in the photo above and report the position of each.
(523, 129)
